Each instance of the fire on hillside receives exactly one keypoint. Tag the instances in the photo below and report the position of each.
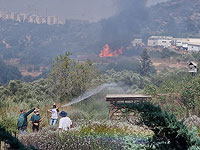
(108, 52)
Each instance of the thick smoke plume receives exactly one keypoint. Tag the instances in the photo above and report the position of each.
(118, 30)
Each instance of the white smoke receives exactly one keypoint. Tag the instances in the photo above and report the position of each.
(90, 93)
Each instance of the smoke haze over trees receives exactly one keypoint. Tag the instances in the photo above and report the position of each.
(65, 9)
(38, 44)
(118, 30)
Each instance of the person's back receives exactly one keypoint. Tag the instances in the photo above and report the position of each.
(65, 122)
(22, 122)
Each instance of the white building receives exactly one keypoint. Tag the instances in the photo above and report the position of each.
(194, 40)
(164, 41)
(190, 44)
(52, 20)
(137, 42)
(194, 47)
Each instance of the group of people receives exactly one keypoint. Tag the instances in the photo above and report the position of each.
(65, 122)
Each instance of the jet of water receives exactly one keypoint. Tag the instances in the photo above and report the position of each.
(90, 93)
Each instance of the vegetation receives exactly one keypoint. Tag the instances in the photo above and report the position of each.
(169, 133)
(89, 135)
(176, 94)
(31, 46)
(146, 64)
(12, 141)
(8, 73)
(70, 78)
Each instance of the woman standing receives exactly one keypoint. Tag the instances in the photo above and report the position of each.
(54, 114)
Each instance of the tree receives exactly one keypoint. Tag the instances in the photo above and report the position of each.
(146, 64)
(191, 96)
(69, 78)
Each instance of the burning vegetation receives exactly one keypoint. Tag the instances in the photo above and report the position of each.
(108, 52)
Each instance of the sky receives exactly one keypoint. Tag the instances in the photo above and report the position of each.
(92, 10)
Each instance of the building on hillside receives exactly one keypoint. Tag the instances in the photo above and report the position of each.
(23, 17)
(194, 47)
(194, 40)
(164, 41)
(137, 42)
(181, 43)
(52, 20)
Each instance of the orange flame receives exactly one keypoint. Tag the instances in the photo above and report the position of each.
(108, 52)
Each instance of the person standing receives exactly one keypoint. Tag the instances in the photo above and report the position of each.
(35, 119)
(65, 122)
(54, 114)
(22, 122)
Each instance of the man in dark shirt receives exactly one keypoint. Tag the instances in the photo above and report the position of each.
(22, 122)
(35, 119)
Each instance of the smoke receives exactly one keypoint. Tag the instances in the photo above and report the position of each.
(131, 6)
(120, 29)
(111, 88)
(90, 93)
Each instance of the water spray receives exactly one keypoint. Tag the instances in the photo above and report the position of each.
(90, 93)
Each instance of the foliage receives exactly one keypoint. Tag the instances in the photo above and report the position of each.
(12, 141)
(146, 64)
(70, 141)
(169, 82)
(18, 92)
(166, 90)
(69, 78)
(121, 65)
(9, 123)
(190, 95)
(108, 128)
(82, 37)
(131, 145)
(165, 53)
(88, 135)
(129, 78)
(8, 73)
(38, 44)
(168, 132)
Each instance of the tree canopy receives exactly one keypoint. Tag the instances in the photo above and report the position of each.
(70, 78)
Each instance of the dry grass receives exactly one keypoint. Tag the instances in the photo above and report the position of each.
(170, 65)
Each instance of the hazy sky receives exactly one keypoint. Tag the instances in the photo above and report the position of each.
(77, 9)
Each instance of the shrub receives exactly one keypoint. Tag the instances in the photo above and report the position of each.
(13, 142)
(168, 132)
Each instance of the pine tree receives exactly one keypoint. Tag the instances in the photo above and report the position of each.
(146, 64)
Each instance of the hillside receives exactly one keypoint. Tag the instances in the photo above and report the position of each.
(176, 18)
(38, 44)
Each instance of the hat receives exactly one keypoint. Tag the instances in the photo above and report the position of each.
(54, 104)
(63, 114)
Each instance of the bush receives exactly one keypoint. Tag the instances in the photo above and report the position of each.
(9, 123)
(13, 142)
(168, 132)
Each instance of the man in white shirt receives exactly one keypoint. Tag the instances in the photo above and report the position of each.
(65, 122)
